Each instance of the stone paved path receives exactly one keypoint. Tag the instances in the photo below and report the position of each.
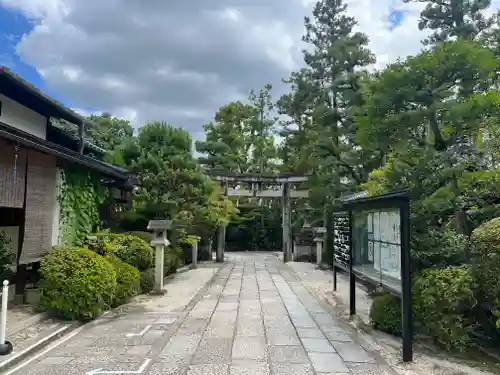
(255, 318)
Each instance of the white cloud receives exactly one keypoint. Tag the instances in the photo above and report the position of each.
(179, 60)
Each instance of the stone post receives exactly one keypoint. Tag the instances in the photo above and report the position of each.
(194, 263)
(159, 266)
(319, 239)
(221, 243)
(319, 250)
(159, 242)
(287, 220)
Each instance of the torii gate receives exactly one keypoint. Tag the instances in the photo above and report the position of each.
(279, 186)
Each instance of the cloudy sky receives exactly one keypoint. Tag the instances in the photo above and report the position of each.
(175, 60)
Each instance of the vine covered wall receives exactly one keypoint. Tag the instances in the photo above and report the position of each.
(80, 196)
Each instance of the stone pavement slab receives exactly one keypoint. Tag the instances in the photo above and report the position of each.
(255, 318)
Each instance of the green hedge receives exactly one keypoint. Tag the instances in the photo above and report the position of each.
(442, 298)
(76, 283)
(132, 250)
(173, 260)
(145, 236)
(385, 313)
(147, 280)
(128, 282)
(485, 262)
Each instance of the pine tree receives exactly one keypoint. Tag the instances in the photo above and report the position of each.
(462, 19)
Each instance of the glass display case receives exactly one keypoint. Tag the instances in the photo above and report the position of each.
(371, 234)
(376, 246)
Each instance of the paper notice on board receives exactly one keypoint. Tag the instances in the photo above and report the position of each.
(376, 226)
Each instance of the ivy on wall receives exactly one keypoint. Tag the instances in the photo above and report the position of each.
(80, 196)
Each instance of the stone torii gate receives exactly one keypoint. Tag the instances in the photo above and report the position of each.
(280, 186)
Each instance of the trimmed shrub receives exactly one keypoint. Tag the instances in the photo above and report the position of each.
(131, 250)
(441, 299)
(76, 283)
(485, 260)
(172, 260)
(147, 280)
(186, 245)
(385, 313)
(145, 236)
(128, 282)
(101, 242)
(434, 248)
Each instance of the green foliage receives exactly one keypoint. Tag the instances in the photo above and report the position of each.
(108, 132)
(227, 142)
(441, 299)
(319, 138)
(128, 281)
(485, 261)
(76, 283)
(454, 19)
(6, 256)
(171, 184)
(145, 236)
(385, 313)
(188, 240)
(426, 83)
(132, 250)
(258, 229)
(172, 260)
(437, 248)
(241, 137)
(147, 280)
(79, 198)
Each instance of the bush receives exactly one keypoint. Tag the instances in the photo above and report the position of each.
(172, 260)
(485, 260)
(100, 243)
(186, 244)
(131, 250)
(145, 236)
(128, 283)
(434, 248)
(76, 283)
(147, 280)
(385, 313)
(441, 299)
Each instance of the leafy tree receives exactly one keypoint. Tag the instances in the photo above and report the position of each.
(428, 125)
(227, 144)
(261, 131)
(320, 138)
(241, 138)
(462, 19)
(170, 182)
(107, 131)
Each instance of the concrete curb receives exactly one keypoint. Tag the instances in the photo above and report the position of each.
(16, 358)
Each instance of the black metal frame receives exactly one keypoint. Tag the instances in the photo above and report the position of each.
(396, 200)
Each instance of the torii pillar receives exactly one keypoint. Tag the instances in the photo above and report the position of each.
(287, 221)
(221, 243)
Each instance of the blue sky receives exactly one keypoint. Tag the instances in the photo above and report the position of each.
(396, 17)
(12, 27)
